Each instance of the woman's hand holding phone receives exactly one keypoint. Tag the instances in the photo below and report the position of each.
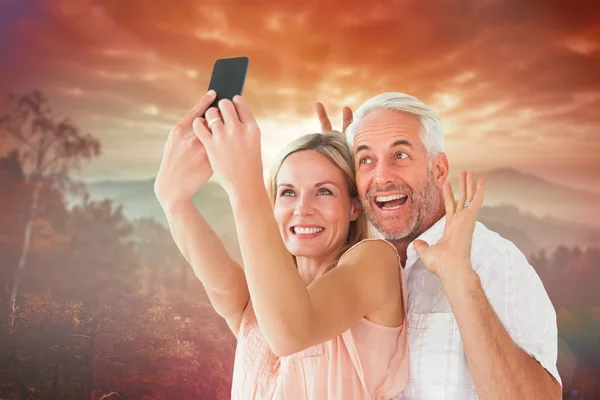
(185, 167)
(232, 142)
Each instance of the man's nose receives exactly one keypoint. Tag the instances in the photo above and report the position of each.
(383, 174)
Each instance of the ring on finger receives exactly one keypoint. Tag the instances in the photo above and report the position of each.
(467, 203)
(212, 121)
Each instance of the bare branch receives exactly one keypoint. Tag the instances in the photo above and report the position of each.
(16, 132)
(106, 396)
(82, 336)
(113, 356)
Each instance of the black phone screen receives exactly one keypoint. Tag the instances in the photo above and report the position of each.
(228, 77)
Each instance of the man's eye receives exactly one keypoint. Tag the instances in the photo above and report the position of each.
(324, 191)
(400, 156)
(364, 160)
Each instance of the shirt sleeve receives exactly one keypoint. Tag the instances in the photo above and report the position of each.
(521, 302)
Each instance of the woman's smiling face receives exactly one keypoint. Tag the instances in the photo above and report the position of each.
(313, 207)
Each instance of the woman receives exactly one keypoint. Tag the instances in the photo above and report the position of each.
(310, 323)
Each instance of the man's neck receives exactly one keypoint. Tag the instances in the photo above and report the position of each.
(402, 244)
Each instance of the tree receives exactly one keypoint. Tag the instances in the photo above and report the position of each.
(97, 265)
(164, 266)
(48, 149)
(571, 278)
(84, 328)
(52, 216)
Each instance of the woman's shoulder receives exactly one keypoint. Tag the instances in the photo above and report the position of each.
(374, 249)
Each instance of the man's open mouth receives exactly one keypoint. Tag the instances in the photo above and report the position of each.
(391, 202)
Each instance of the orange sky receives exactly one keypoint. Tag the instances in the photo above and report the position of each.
(516, 82)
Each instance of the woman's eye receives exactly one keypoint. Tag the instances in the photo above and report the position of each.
(400, 156)
(287, 192)
(324, 191)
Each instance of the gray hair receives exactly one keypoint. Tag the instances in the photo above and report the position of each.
(432, 134)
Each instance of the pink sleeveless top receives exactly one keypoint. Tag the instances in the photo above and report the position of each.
(368, 361)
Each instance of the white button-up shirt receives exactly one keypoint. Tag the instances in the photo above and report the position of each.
(437, 364)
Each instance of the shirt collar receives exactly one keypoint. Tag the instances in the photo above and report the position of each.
(431, 236)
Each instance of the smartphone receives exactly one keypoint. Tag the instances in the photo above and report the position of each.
(228, 78)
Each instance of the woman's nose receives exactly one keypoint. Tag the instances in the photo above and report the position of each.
(303, 207)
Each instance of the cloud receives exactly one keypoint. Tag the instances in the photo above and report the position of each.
(518, 74)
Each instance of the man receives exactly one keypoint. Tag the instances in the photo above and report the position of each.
(487, 331)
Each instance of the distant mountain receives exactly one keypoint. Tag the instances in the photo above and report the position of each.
(511, 197)
(138, 200)
(531, 233)
(540, 197)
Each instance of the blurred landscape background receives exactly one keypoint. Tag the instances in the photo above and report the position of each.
(96, 301)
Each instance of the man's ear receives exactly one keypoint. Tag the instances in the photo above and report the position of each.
(355, 209)
(440, 169)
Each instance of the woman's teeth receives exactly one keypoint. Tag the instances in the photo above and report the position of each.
(306, 231)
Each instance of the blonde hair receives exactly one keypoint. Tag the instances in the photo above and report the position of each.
(333, 146)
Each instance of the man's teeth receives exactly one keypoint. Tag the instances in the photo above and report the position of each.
(306, 231)
(383, 199)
